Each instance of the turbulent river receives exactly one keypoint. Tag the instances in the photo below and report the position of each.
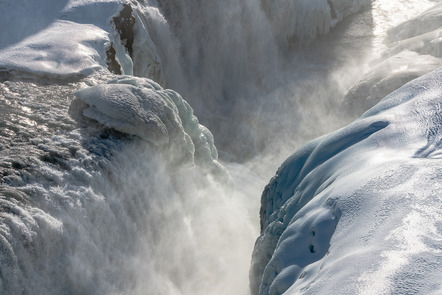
(86, 209)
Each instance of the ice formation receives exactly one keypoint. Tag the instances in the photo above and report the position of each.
(358, 211)
(139, 106)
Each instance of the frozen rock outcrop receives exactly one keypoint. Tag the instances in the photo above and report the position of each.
(141, 107)
(358, 211)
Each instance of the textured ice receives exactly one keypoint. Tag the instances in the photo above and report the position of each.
(358, 211)
(140, 107)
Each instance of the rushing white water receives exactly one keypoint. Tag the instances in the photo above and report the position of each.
(89, 210)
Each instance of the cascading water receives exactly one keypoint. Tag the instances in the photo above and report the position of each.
(87, 209)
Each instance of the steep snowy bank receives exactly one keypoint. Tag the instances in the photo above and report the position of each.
(358, 211)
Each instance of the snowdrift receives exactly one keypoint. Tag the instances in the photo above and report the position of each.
(358, 211)
(74, 39)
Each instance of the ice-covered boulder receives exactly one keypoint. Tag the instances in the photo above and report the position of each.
(358, 211)
(140, 107)
(296, 22)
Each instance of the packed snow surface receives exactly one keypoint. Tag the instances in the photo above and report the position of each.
(65, 39)
(358, 211)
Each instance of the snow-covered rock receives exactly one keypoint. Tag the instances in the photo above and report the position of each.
(358, 211)
(296, 22)
(76, 38)
(139, 106)
(64, 49)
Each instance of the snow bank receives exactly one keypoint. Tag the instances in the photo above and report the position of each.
(76, 38)
(140, 107)
(63, 49)
(296, 22)
(415, 48)
(358, 211)
(69, 38)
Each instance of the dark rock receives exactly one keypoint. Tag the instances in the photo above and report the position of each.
(112, 63)
(124, 24)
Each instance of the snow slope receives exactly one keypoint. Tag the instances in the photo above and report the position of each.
(69, 43)
(74, 38)
(358, 211)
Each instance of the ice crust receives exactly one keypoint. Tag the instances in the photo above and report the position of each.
(141, 107)
(357, 211)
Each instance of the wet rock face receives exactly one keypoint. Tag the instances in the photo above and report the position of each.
(124, 24)
(112, 63)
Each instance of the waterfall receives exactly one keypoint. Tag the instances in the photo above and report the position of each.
(102, 195)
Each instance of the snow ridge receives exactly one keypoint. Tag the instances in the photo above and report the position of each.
(320, 214)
